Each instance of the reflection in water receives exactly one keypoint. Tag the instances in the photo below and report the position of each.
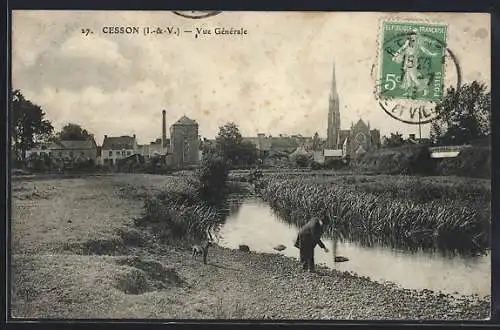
(255, 224)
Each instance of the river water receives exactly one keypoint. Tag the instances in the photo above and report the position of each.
(254, 223)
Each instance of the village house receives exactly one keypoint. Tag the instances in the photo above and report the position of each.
(40, 149)
(155, 148)
(116, 148)
(74, 150)
(67, 149)
(64, 153)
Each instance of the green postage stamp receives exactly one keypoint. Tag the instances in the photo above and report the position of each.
(412, 61)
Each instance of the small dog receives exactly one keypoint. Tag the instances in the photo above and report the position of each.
(201, 249)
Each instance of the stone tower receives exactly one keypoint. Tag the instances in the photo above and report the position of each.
(184, 142)
(333, 131)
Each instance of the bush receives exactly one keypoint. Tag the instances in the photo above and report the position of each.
(300, 160)
(212, 176)
(178, 215)
(415, 159)
(316, 166)
(186, 213)
(335, 164)
(473, 162)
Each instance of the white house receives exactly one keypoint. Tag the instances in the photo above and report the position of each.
(116, 148)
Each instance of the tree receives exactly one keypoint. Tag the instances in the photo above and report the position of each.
(301, 160)
(464, 115)
(247, 153)
(316, 142)
(394, 140)
(73, 132)
(230, 144)
(212, 176)
(29, 125)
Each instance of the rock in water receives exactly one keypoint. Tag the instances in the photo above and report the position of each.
(340, 259)
(279, 247)
(244, 248)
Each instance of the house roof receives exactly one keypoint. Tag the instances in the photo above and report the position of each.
(283, 143)
(72, 145)
(43, 145)
(118, 142)
(185, 121)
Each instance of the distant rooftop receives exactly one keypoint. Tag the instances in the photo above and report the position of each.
(118, 143)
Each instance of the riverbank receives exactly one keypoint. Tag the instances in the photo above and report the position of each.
(77, 254)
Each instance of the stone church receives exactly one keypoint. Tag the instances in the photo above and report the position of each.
(359, 139)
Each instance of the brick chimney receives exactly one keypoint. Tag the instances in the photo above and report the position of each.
(164, 128)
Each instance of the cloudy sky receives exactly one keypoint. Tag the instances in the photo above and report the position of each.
(274, 80)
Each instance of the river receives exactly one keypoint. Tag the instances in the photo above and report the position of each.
(254, 223)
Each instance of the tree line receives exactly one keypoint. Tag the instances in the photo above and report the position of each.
(464, 116)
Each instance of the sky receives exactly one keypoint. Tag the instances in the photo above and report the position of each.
(276, 79)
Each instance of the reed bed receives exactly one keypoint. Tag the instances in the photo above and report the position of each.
(419, 189)
(371, 215)
(189, 209)
(179, 214)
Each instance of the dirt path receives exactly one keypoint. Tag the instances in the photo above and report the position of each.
(58, 273)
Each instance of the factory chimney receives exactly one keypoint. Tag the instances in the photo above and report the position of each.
(164, 129)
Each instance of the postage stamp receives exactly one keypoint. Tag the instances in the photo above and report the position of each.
(226, 165)
(414, 68)
(412, 60)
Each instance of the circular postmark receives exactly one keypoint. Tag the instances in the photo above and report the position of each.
(414, 69)
(197, 14)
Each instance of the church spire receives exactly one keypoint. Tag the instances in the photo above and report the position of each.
(333, 132)
(333, 91)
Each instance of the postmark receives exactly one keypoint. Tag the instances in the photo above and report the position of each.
(197, 14)
(415, 67)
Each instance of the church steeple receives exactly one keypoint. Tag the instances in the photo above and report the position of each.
(333, 91)
(333, 133)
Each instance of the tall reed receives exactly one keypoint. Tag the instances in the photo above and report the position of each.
(185, 211)
(376, 217)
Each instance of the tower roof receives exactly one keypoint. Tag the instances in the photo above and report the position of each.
(185, 121)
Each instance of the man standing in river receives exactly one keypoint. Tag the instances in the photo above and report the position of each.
(309, 235)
